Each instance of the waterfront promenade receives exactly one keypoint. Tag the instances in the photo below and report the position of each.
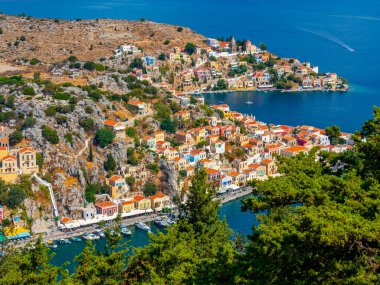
(57, 234)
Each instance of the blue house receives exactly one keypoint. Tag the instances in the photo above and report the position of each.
(150, 60)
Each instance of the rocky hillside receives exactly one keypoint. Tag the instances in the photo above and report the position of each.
(52, 41)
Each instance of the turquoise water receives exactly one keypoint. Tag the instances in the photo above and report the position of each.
(239, 222)
(341, 36)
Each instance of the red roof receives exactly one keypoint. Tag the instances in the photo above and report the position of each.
(9, 157)
(138, 198)
(110, 122)
(106, 204)
(26, 149)
(115, 178)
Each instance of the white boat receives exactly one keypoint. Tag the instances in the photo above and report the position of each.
(142, 226)
(89, 236)
(125, 231)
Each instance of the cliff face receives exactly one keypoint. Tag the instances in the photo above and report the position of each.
(52, 41)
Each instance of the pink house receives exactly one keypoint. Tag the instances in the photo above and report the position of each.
(107, 208)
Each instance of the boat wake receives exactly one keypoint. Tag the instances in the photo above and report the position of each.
(357, 17)
(330, 38)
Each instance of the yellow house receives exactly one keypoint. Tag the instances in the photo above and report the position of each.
(9, 169)
(141, 203)
(159, 201)
(159, 136)
(127, 206)
(118, 186)
(200, 134)
(27, 160)
(3, 152)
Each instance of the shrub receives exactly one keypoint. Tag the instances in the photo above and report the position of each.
(104, 137)
(34, 61)
(150, 189)
(62, 96)
(72, 58)
(131, 132)
(69, 138)
(61, 119)
(50, 111)
(29, 123)
(50, 135)
(180, 29)
(87, 123)
(89, 65)
(89, 110)
(28, 90)
(15, 137)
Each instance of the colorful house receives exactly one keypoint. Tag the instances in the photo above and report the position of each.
(27, 160)
(141, 203)
(127, 206)
(118, 186)
(107, 208)
(159, 201)
(138, 106)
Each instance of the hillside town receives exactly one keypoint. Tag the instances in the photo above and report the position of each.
(85, 141)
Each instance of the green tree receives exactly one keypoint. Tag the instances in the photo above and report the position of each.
(333, 133)
(149, 189)
(104, 137)
(110, 163)
(197, 250)
(106, 267)
(15, 197)
(162, 57)
(168, 125)
(263, 46)
(90, 155)
(137, 63)
(131, 132)
(15, 137)
(30, 266)
(190, 48)
(319, 229)
(89, 65)
(40, 160)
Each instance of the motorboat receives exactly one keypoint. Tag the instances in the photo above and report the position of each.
(125, 231)
(142, 226)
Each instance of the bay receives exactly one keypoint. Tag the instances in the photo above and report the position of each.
(340, 36)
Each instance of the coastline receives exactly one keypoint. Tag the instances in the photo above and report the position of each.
(264, 90)
(57, 234)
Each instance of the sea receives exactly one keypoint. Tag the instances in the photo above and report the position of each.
(341, 36)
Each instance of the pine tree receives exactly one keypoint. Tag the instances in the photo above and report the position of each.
(90, 156)
(110, 163)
